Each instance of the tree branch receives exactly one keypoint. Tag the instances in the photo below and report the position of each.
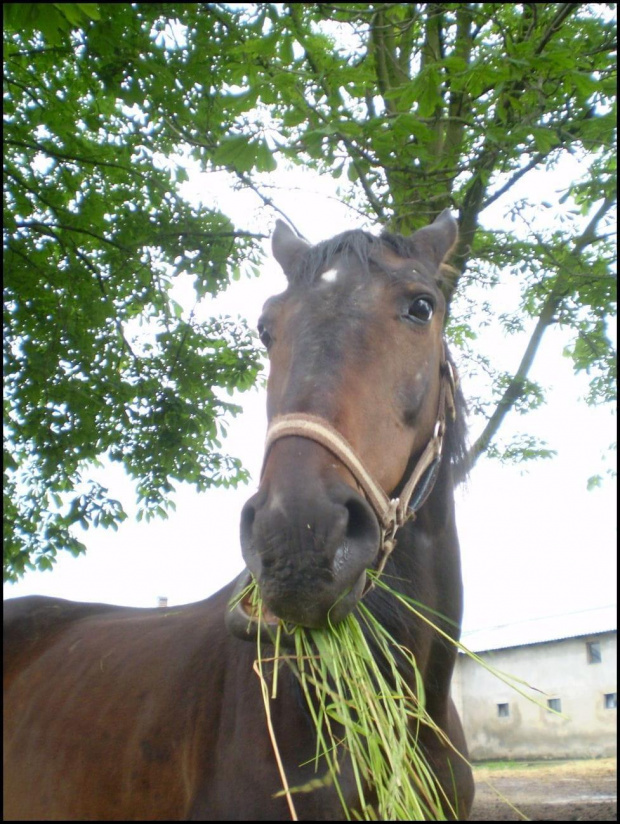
(565, 10)
(459, 99)
(41, 147)
(46, 228)
(516, 176)
(377, 27)
(372, 199)
(406, 40)
(432, 53)
(546, 317)
(515, 387)
(247, 181)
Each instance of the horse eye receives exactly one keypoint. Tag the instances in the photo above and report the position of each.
(265, 337)
(421, 309)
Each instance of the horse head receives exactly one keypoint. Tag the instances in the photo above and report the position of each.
(355, 398)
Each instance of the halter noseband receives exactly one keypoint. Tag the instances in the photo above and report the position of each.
(391, 512)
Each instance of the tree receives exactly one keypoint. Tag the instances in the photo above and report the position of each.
(95, 234)
(413, 107)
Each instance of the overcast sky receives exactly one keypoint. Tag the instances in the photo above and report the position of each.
(534, 540)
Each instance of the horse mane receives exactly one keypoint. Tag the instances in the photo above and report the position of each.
(455, 441)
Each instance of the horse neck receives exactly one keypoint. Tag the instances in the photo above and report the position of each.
(425, 567)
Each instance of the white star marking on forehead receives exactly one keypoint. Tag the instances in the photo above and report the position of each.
(330, 276)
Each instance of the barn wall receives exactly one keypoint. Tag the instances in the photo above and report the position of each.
(559, 668)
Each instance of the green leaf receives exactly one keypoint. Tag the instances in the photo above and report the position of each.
(544, 139)
(594, 482)
(236, 152)
(90, 10)
(264, 158)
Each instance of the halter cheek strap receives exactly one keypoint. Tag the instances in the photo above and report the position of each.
(392, 513)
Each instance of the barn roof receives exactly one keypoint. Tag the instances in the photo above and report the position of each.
(538, 630)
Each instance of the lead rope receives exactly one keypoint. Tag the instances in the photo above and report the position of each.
(392, 513)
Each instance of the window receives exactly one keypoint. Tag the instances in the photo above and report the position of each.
(555, 704)
(611, 700)
(503, 710)
(593, 649)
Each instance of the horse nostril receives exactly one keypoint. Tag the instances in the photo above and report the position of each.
(248, 514)
(362, 521)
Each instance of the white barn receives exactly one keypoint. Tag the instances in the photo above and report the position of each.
(571, 659)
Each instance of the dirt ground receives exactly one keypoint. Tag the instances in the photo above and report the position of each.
(547, 791)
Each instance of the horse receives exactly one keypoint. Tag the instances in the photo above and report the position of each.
(116, 713)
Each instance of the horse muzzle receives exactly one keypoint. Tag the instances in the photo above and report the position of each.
(309, 549)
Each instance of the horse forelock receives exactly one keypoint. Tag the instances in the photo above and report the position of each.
(360, 250)
(363, 255)
(354, 246)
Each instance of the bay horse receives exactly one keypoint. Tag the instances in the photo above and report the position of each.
(115, 713)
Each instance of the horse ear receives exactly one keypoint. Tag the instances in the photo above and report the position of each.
(287, 247)
(435, 242)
